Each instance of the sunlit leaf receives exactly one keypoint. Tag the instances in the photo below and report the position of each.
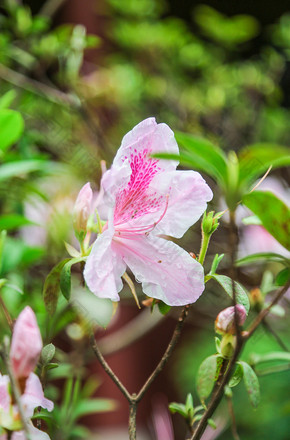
(11, 128)
(207, 375)
(236, 377)
(273, 213)
(65, 276)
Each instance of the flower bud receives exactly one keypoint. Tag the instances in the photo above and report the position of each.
(210, 222)
(228, 345)
(82, 209)
(225, 321)
(26, 344)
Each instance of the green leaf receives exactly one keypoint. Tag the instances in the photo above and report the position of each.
(252, 220)
(241, 294)
(163, 308)
(11, 128)
(51, 366)
(218, 344)
(216, 261)
(262, 257)
(22, 167)
(211, 423)
(13, 221)
(204, 156)
(65, 276)
(256, 159)
(269, 357)
(47, 353)
(7, 99)
(179, 408)
(251, 383)
(3, 235)
(80, 431)
(273, 213)
(207, 375)
(91, 406)
(236, 377)
(51, 287)
(283, 277)
(189, 406)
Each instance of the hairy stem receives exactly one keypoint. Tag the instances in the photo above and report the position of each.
(132, 419)
(203, 247)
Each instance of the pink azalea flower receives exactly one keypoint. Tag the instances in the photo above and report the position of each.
(143, 199)
(26, 344)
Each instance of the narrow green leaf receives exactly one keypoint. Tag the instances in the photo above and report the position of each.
(236, 377)
(283, 277)
(7, 99)
(92, 406)
(13, 221)
(51, 287)
(273, 213)
(211, 423)
(270, 357)
(251, 383)
(241, 294)
(216, 261)
(206, 376)
(256, 159)
(22, 167)
(262, 257)
(179, 408)
(189, 405)
(65, 276)
(204, 155)
(11, 128)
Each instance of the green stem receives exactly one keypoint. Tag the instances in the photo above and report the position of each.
(203, 248)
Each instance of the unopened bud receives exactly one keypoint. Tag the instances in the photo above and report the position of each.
(210, 222)
(225, 321)
(256, 299)
(228, 345)
(82, 209)
(26, 344)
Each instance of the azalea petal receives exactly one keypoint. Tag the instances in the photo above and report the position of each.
(133, 169)
(188, 194)
(35, 434)
(104, 268)
(167, 272)
(33, 396)
(150, 136)
(5, 399)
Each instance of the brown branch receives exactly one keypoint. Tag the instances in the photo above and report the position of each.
(262, 315)
(217, 396)
(167, 353)
(108, 369)
(6, 313)
(233, 418)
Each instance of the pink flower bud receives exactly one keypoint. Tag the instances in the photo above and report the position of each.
(225, 321)
(82, 209)
(26, 344)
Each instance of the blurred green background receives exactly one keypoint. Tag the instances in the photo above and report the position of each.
(82, 74)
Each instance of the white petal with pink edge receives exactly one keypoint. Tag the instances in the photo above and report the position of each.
(167, 272)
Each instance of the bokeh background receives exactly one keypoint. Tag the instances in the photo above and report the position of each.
(82, 74)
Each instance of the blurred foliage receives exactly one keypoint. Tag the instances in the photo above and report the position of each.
(77, 94)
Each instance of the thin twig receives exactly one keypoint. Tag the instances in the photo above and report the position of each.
(167, 354)
(270, 329)
(108, 369)
(262, 315)
(15, 390)
(217, 396)
(6, 313)
(233, 418)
